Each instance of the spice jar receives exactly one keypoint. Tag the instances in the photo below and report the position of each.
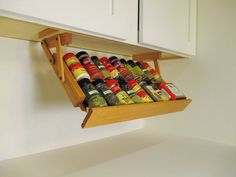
(105, 61)
(120, 94)
(140, 92)
(132, 94)
(121, 68)
(172, 90)
(78, 71)
(147, 73)
(137, 70)
(163, 96)
(70, 59)
(153, 72)
(93, 97)
(90, 67)
(149, 90)
(130, 69)
(115, 74)
(101, 67)
(106, 92)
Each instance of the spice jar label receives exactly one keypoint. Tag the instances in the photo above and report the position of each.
(107, 92)
(174, 90)
(124, 98)
(114, 73)
(93, 92)
(71, 60)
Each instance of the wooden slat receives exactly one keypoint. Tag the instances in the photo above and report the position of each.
(59, 61)
(65, 39)
(147, 56)
(113, 114)
(47, 33)
(156, 65)
(70, 85)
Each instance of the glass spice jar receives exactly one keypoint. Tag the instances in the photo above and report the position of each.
(130, 69)
(90, 67)
(140, 92)
(149, 90)
(101, 67)
(152, 71)
(109, 96)
(70, 59)
(146, 72)
(121, 68)
(93, 97)
(120, 94)
(132, 94)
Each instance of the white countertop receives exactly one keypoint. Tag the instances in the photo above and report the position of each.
(133, 154)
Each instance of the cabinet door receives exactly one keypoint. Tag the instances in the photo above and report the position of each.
(168, 24)
(106, 17)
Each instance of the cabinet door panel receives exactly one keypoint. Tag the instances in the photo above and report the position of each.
(106, 17)
(168, 24)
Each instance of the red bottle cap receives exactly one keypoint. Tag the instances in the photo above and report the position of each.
(110, 83)
(132, 83)
(115, 89)
(111, 68)
(68, 55)
(162, 85)
(104, 60)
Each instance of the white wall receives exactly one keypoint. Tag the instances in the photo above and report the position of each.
(35, 113)
(208, 78)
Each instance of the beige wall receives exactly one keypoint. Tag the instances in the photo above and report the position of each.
(209, 78)
(35, 113)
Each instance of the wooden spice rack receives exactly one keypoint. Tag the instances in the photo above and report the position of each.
(56, 38)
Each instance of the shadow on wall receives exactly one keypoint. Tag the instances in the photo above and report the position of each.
(48, 90)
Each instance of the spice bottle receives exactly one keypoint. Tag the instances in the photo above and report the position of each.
(90, 67)
(172, 90)
(128, 67)
(93, 97)
(149, 90)
(137, 70)
(70, 59)
(132, 94)
(163, 96)
(153, 72)
(101, 67)
(120, 94)
(106, 92)
(115, 74)
(140, 92)
(147, 73)
(121, 68)
(78, 71)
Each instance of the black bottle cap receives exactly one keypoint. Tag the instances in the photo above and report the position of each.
(139, 64)
(113, 59)
(98, 81)
(131, 63)
(93, 58)
(83, 82)
(81, 54)
(123, 61)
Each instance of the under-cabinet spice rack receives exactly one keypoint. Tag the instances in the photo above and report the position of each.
(56, 38)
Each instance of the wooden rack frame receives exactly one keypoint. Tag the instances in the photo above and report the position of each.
(102, 115)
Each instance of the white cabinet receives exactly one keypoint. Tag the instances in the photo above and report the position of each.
(112, 18)
(168, 24)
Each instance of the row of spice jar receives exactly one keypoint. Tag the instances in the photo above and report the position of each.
(116, 81)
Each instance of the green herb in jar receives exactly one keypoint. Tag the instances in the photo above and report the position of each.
(111, 99)
(93, 97)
